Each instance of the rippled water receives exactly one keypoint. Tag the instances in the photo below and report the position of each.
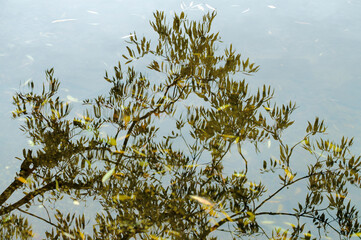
(309, 51)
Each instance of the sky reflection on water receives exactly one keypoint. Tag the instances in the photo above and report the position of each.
(309, 51)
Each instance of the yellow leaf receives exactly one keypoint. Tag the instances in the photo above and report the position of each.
(142, 154)
(223, 107)
(227, 216)
(108, 175)
(89, 163)
(126, 119)
(56, 113)
(289, 174)
(30, 233)
(112, 142)
(211, 211)
(246, 222)
(191, 166)
(118, 174)
(228, 136)
(143, 163)
(87, 119)
(358, 234)
(305, 141)
(173, 232)
(290, 224)
(18, 112)
(156, 237)
(21, 179)
(253, 190)
(239, 175)
(68, 235)
(251, 216)
(118, 152)
(81, 235)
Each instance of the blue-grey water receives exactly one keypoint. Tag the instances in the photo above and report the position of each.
(309, 51)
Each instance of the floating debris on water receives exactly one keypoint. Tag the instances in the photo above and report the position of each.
(30, 58)
(92, 12)
(64, 20)
(210, 7)
(193, 7)
(128, 36)
(72, 99)
(26, 82)
(247, 10)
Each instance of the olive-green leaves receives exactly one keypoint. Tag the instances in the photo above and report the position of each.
(153, 156)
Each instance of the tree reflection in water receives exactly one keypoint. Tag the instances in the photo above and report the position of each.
(173, 186)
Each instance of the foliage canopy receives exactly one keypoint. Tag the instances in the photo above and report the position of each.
(149, 156)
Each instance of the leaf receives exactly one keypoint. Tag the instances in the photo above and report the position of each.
(143, 163)
(129, 51)
(227, 136)
(21, 179)
(112, 142)
(121, 197)
(227, 216)
(126, 119)
(289, 174)
(175, 233)
(108, 175)
(251, 216)
(290, 224)
(57, 185)
(202, 200)
(118, 152)
(191, 166)
(68, 235)
(223, 107)
(140, 153)
(239, 175)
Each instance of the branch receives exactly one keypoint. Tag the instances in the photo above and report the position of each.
(299, 215)
(146, 115)
(25, 172)
(224, 220)
(33, 215)
(50, 186)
